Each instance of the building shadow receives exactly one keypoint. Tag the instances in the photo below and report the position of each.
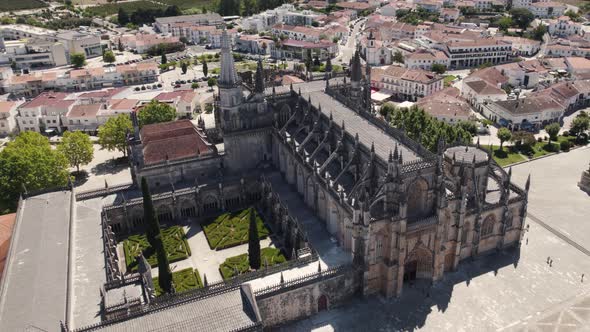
(111, 166)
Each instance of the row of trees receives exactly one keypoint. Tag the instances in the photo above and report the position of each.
(246, 7)
(425, 129)
(146, 15)
(29, 163)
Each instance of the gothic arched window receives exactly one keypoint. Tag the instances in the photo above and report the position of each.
(488, 225)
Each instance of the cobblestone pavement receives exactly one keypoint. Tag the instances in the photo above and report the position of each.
(510, 291)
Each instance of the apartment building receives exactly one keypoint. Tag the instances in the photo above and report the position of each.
(297, 49)
(163, 24)
(32, 54)
(541, 8)
(8, 112)
(483, 86)
(186, 102)
(253, 44)
(406, 84)
(446, 105)
(468, 54)
(528, 74)
(535, 110)
(424, 59)
(83, 117)
(45, 112)
(142, 42)
(522, 46)
(563, 26)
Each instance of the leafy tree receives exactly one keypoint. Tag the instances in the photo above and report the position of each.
(113, 134)
(205, 69)
(156, 112)
(328, 67)
(77, 148)
(78, 60)
(183, 67)
(398, 57)
(122, 17)
(576, 17)
(505, 22)
(120, 46)
(439, 68)
(253, 242)
(469, 126)
(195, 85)
(552, 130)
(522, 17)
(164, 59)
(503, 135)
(539, 32)
(172, 11)
(308, 60)
(30, 163)
(183, 39)
(108, 57)
(580, 125)
(387, 108)
(211, 82)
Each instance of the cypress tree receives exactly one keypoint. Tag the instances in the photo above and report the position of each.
(205, 69)
(253, 242)
(164, 59)
(152, 227)
(164, 274)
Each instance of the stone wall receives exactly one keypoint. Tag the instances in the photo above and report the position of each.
(307, 296)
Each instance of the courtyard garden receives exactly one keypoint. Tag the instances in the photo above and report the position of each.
(174, 240)
(269, 257)
(183, 280)
(231, 229)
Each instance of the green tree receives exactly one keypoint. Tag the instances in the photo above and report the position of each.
(539, 32)
(152, 226)
(164, 59)
(78, 60)
(205, 69)
(253, 242)
(30, 163)
(503, 135)
(387, 108)
(211, 82)
(183, 67)
(328, 67)
(398, 57)
(439, 68)
(77, 148)
(522, 17)
(505, 22)
(156, 112)
(469, 126)
(580, 125)
(108, 57)
(164, 273)
(113, 134)
(120, 46)
(576, 17)
(122, 17)
(552, 130)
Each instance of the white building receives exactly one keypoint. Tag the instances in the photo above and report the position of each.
(473, 53)
(375, 53)
(186, 102)
(163, 24)
(45, 112)
(522, 46)
(31, 54)
(547, 9)
(8, 112)
(563, 26)
(406, 84)
(425, 59)
(537, 110)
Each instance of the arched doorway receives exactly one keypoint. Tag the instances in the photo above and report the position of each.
(418, 264)
(322, 303)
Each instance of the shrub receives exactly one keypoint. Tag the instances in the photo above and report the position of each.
(231, 229)
(270, 256)
(175, 244)
(565, 146)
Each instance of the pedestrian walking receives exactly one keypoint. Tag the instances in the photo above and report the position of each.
(527, 241)
(548, 258)
(582, 277)
(550, 263)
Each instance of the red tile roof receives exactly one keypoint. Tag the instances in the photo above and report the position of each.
(6, 106)
(185, 95)
(52, 99)
(84, 111)
(172, 141)
(6, 225)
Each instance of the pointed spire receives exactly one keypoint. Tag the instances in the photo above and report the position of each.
(528, 183)
(395, 153)
(291, 86)
(477, 141)
(319, 266)
(343, 126)
(259, 79)
(454, 157)
(390, 159)
(228, 77)
(331, 116)
(282, 278)
(355, 71)
(372, 147)
(401, 158)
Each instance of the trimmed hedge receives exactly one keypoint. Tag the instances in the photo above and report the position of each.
(175, 244)
(231, 229)
(183, 280)
(269, 255)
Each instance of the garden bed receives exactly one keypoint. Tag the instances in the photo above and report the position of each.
(184, 280)
(175, 244)
(231, 229)
(270, 256)
(506, 156)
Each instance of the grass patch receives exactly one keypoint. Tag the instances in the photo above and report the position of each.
(506, 156)
(174, 242)
(449, 79)
(184, 280)
(10, 5)
(187, 4)
(231, 229)
(129, 7)
(269, 255)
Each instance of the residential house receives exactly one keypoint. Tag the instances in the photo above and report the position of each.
(45, 112)
(424, 59)
(8, 112)
(446, 105)
(186, 102)
(406, 84)
(83, 117)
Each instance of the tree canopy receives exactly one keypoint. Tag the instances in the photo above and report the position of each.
(113, 134)
(30, 163)
(108, 57)
(78, 60)
(503, 135)
(156, 112)
(522, 17)
(77, 148)
(552, 130)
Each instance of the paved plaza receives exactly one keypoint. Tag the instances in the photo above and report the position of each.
(511, 291)
(104, 167)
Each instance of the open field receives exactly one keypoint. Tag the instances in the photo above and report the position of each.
(9, 5)
(113, 8)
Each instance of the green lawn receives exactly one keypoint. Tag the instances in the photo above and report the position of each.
(269, 255)
(506, 156)
(10, 5)
(129, 7)
(231, 229)
(449, 79)
(187, 4)
(174, 241)
(183, 280)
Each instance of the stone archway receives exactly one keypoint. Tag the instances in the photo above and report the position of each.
(418, 264)
(322, 303)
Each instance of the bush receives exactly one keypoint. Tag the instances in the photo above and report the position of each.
(551, 147)
(566, 133)
(565, 146)
(184, 280)
(270, 256)
(175, 244)
(231, 229)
